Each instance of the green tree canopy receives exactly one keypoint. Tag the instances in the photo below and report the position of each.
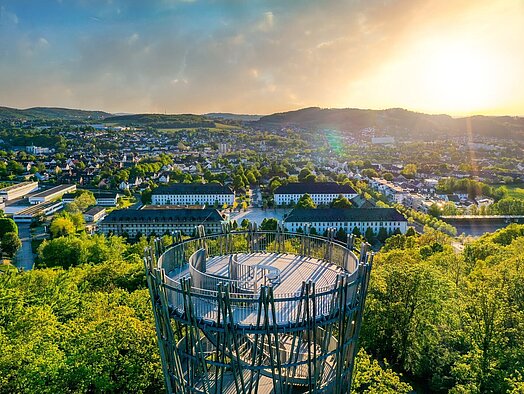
(11, 243)
(7, 225)
(341, 202)
(306, 202)
(61, 226)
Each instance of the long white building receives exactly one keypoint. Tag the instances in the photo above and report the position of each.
(134, 223)
(347, 219)
(51, 194)
(322, 193)
(193, 194)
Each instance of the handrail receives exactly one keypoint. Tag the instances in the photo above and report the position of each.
(210, 281)
(237, 287)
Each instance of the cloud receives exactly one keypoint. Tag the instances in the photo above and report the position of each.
(219, 56)
(7, 18)
(133, 38)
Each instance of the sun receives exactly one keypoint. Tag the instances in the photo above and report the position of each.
(461, 76)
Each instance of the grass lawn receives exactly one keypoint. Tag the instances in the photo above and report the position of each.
(218, 126)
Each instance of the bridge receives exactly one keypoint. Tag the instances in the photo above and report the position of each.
(458, 219)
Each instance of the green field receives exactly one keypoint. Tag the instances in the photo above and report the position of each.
(218, 127)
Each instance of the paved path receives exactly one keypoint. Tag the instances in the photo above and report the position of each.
(24, 257)
(256, 215)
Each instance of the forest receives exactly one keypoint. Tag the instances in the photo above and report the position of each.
(437, 320)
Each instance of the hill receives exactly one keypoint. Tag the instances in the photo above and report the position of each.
(230, 116)
(48, 113)
(162, 121)
(396, 121)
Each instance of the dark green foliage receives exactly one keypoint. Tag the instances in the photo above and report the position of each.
(453, 321)
(382, 234)
(269, 224)
(369, 235)
(341, 202)
(7, 226)
(85, 329)
(341, 234)
(11, 243)
(163, 121)
(306, 202)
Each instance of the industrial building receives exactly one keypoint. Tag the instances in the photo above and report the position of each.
(51, 194)
(33, 213)
(18, 190)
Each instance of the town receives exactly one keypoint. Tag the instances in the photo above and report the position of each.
(137, 177)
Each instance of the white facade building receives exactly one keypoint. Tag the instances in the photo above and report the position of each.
(347, 219)
(134, 223)
(322, 193)
(18, 190)
(193, 194)
(51, 194)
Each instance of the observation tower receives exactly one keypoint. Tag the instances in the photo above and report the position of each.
(258, 311)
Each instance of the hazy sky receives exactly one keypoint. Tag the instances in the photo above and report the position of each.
(458, 57)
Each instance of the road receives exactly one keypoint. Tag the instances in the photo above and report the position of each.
(24, 257)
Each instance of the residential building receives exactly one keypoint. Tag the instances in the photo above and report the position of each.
(322, 193)
(107, 199)
(134, 223)
(193, 194)
(347, 219)
(393, 192)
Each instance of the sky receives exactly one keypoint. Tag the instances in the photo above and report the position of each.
(180, 56)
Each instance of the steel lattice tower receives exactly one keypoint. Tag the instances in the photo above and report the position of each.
(258, 311)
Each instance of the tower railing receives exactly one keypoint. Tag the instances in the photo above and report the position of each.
(223, 324)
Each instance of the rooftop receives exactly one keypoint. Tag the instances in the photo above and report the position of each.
(53, 190)
(16, 186)
(185, 206)
(95, 210)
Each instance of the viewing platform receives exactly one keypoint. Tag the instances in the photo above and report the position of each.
(258, 311)
(244, 266)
